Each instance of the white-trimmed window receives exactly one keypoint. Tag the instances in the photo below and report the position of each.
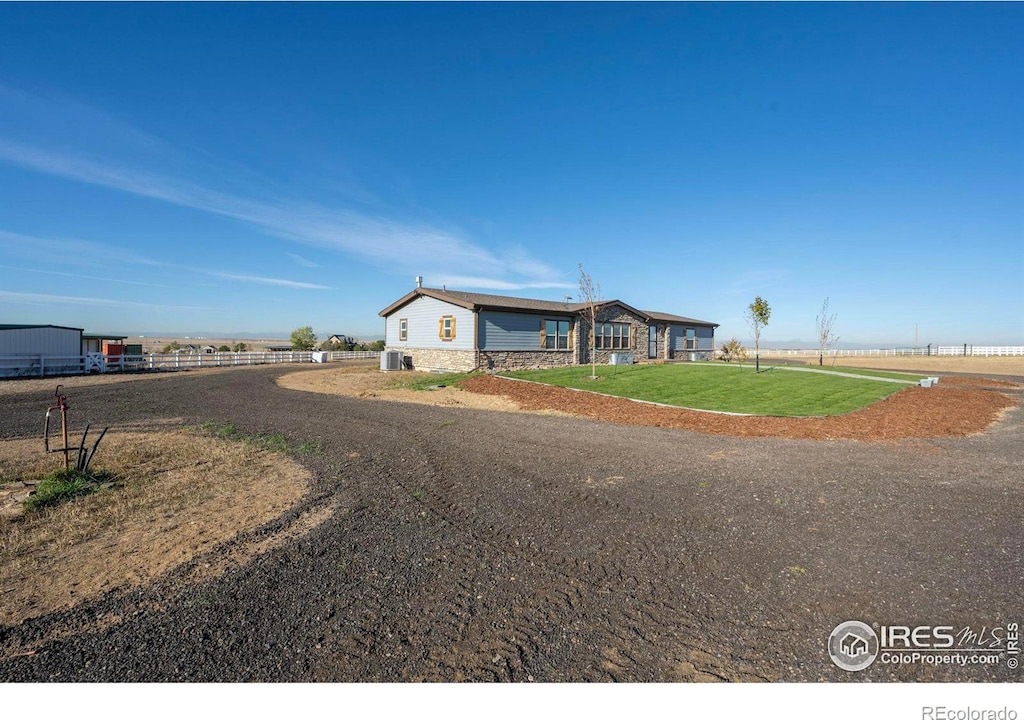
(446, 327)
(403, 329)
(554, 334)
(612, 336)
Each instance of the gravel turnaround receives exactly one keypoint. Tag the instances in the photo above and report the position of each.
(480, 546)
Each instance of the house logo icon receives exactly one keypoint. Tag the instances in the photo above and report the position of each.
(853, 645)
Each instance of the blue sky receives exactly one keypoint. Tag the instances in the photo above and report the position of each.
(226, 168)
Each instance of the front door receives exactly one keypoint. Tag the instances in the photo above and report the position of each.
(652, 341)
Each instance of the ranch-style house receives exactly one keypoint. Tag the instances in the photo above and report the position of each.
(453, 331)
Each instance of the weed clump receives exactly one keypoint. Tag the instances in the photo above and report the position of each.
(66, 484)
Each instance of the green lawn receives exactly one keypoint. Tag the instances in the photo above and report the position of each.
(729, 389)
(425, 381)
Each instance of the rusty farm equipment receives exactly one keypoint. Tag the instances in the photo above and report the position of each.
(83, 457)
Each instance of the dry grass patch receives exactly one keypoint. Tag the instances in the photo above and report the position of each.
(935, 364)
(179, 495)
(371, 383)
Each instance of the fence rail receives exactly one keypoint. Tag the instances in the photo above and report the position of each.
(45, 365)
(943, 350)
(353, 354)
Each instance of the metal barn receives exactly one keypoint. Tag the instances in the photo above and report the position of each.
(33, 340)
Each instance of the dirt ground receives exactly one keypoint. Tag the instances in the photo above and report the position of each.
(1012, 365)
(450, 543)
(369, 383)
(179, 495)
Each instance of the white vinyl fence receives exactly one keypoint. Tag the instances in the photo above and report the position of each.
(947, 350)
(43, 366)
(353, 354)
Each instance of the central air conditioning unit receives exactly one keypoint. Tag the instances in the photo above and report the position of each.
(391, 360)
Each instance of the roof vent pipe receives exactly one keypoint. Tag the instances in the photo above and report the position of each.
(419, 281)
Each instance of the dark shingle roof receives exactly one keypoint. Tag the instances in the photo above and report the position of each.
(676, 319)
(512, 303)
(477, 301)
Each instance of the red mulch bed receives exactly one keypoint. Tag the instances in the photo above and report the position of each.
(916, 412)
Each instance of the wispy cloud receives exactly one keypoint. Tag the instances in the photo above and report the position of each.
(46, 299)
(396, 246)
(299, 260)
(755, 281)
(99, 254)
(464, 281)
(79, 276)
(69, 251)
(267, 281)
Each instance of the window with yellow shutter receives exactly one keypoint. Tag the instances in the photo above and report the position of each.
(446, 327)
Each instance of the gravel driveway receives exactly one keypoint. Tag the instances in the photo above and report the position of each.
(478, 545)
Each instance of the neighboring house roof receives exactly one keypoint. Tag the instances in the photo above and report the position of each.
(94, 336)
(30, 327)
(483, 301)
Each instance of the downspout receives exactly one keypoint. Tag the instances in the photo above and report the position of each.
(476, 339)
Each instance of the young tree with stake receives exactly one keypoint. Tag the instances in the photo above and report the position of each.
(590, 294)
(826, 337)
(757, 316)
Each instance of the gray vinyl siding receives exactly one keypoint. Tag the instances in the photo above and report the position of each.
(512, 331)
(423, 314)
(677, 335)
(48, 341)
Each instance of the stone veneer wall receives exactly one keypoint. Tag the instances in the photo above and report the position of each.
(639, 333)
(500, 360)
(433, 360)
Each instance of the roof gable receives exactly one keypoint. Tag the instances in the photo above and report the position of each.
(484, 301)
(677, 319)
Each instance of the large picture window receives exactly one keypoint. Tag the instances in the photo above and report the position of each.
(555, 335)
(611, 336)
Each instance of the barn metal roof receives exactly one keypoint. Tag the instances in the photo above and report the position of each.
(30, 327)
